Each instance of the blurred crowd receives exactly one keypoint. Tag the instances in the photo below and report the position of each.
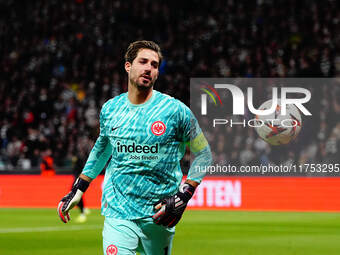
(61, 60)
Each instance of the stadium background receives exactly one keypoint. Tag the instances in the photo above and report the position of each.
(60, 61)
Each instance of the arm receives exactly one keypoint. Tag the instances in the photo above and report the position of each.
(200, 148)
(192, 183)
(95, 163)
(85, 178)
(171, 209)
(97, 159)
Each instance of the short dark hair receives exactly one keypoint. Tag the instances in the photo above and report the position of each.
(132, 50)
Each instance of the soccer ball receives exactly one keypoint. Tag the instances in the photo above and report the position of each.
(277, 129)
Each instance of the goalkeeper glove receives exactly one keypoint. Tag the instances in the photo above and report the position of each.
(71, 199)
(170, 209)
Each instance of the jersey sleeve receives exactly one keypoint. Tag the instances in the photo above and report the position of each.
(100, 152)
(192, 135)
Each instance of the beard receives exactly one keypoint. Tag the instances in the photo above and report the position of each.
(142, 86)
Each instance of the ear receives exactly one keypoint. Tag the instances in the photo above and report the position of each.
(127, 67)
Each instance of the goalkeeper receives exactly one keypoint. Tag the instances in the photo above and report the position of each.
(146, 133)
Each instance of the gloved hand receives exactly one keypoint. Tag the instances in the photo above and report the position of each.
(170, 209)
(71, 199)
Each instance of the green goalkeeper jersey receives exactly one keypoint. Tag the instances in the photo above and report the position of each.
(145, 144)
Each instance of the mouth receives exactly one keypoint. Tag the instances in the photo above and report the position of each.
(147, 77)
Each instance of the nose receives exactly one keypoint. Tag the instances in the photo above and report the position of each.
(148, 68)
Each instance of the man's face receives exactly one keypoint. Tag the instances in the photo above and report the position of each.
(143, 71)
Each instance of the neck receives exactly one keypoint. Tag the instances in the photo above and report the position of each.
(137, 96)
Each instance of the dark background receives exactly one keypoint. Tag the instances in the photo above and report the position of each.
(61, 60)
